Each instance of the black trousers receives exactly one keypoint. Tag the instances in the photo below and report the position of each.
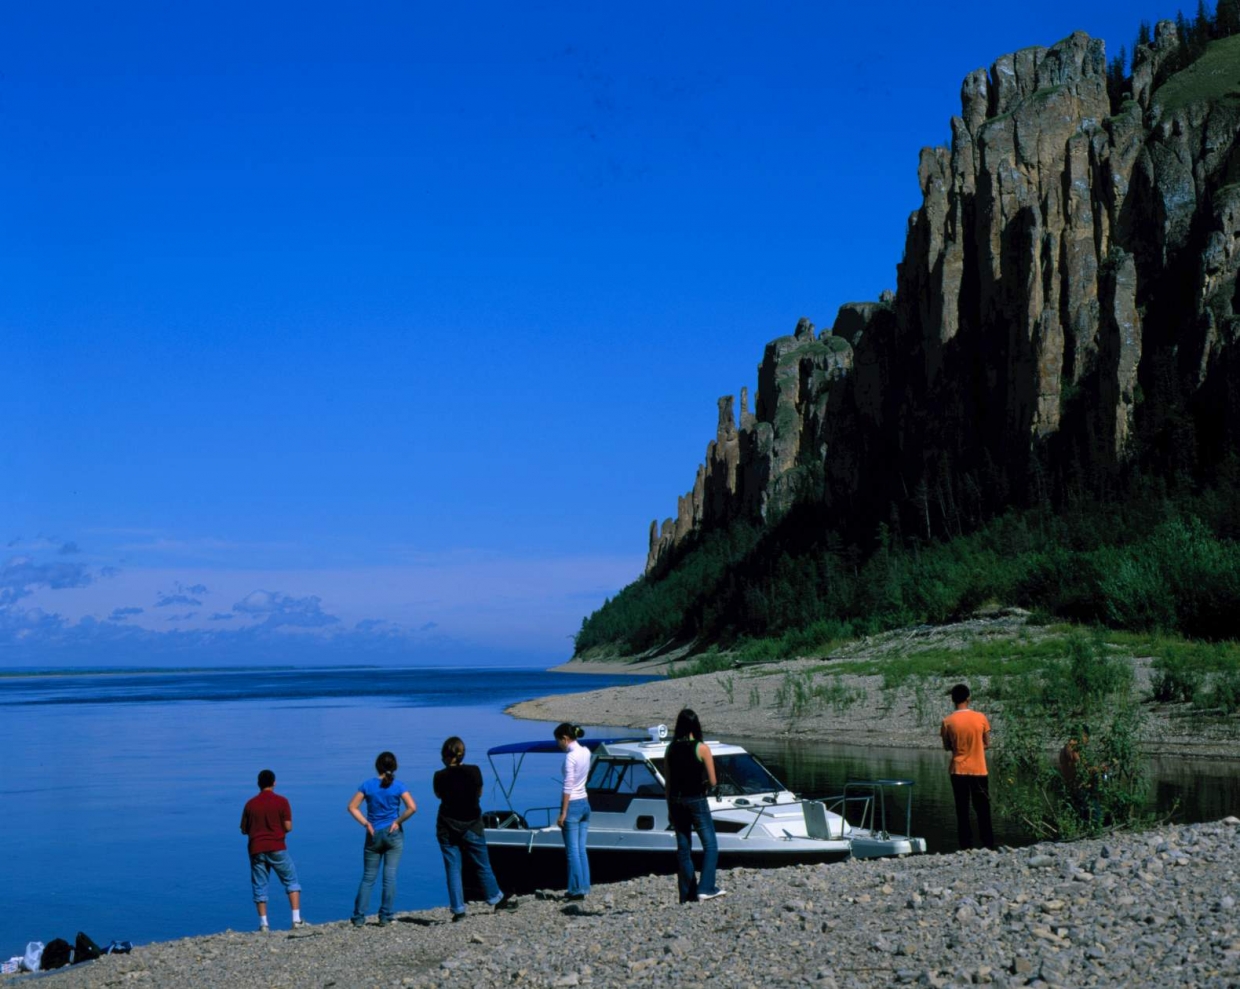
(977, 790)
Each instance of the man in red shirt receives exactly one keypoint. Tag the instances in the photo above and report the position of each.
(267, 818)
(966, 735)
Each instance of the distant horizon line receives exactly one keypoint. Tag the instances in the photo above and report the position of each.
(25, 672)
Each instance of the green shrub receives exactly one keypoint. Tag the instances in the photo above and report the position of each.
(1174, 680)
(1086, 687)
(838, 697)
(1089, 678)
(1223, 694)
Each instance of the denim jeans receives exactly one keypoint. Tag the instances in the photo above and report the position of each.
(383, 846)
(691, 814)
(262, 864)
(576, 825)
(468, 844)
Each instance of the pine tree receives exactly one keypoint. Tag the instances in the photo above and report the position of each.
(1202, 29)
(1227, 18)
(1116, 80)
(1144, 36)
(1184, 32)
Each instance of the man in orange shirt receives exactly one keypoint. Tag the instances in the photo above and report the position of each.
(966, 735)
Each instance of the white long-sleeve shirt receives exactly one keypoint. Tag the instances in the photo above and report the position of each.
(576, 769)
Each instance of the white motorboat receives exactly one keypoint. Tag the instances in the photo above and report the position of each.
(759, 823)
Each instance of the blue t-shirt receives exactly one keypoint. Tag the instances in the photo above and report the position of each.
(382, 803)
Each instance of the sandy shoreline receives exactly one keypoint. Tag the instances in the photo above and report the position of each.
(746, 702)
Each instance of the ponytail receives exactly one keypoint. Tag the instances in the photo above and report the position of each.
(385, 766)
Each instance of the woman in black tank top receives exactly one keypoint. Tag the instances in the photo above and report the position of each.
(690, 771)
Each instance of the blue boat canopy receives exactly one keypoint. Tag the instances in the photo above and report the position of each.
(551, 745)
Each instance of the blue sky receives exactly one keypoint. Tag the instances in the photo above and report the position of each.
(334, 332)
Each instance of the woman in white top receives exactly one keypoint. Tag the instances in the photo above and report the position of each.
(574, 819)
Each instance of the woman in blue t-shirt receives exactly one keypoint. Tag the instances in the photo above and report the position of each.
(389, 805)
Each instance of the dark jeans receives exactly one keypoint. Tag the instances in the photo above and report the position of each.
(976, 789)
(458, 844)
(691, 814)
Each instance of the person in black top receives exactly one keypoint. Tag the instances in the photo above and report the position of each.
(459, 829)
(690, 770)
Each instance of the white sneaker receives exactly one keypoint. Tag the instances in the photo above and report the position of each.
(264, 929)
(711, 896)
(299, 923)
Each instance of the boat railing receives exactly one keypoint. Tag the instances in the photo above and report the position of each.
(872, 797)
(546, 814)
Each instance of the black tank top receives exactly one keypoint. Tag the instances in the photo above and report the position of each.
(688, 773)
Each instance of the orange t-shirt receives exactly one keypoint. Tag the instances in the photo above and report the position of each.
(963, 731)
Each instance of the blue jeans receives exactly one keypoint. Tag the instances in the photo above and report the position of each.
(383, 846)
(691, 814)
(458, 844)
(576, 825)
(262, 864)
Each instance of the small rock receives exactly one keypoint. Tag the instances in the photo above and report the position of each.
(1041, 861)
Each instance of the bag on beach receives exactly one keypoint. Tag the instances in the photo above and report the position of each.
(33, 956)
(56, 954)
(119, 948)
(85, 950)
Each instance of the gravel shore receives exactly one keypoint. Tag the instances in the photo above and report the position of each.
(745, 702)
(1155, 909)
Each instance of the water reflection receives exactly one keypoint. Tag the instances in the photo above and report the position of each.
(1188, 789)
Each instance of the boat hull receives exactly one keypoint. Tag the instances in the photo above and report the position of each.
(527, 860)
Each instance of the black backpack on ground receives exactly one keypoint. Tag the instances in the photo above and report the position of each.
(56, 954)
(84, 949)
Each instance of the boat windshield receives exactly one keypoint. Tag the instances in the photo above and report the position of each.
(609, 775)
(744, 774)
(739, 775)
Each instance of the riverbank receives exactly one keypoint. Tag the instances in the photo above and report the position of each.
(1152, 909)
(760, 701)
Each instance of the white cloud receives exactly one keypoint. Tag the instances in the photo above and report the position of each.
(463, 599)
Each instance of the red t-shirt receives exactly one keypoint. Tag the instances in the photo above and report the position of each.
(263, 820)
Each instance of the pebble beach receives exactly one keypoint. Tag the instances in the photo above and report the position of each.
(1154, 909)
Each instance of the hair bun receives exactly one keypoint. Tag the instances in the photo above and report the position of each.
(578, 731)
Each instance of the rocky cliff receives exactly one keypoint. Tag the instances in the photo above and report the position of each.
(1066, 308)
